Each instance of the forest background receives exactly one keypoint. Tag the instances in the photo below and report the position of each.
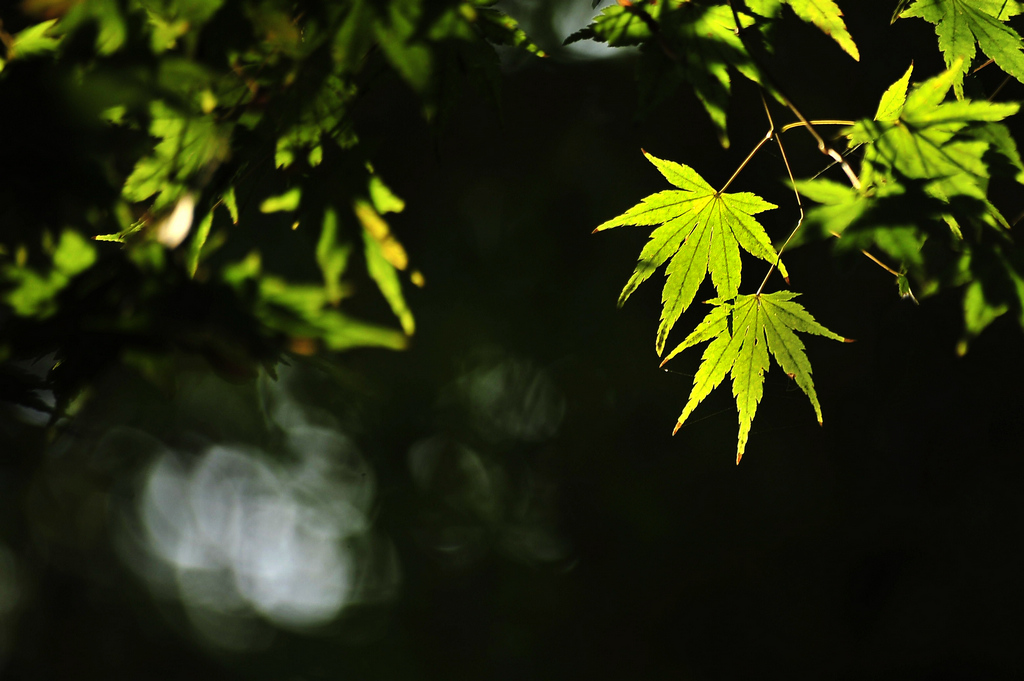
(504, 496)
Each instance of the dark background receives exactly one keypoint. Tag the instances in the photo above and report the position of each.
(886, 544)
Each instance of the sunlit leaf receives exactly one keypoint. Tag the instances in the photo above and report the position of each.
(287, 201)
(700, 231)
(891, 105)
(33, 40)
(386, 276)
(960, 25)
(332, 256)
(743, 332)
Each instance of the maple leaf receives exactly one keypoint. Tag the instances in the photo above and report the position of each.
(960, 25)
(743, 331)
(701, 230)
(917, 137)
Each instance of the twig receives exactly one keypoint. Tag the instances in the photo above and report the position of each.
(822, 146)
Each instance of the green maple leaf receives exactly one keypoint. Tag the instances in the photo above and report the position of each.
(920, 137)
(701, 230)
(960, 25)
(743, 332)
(825, 14)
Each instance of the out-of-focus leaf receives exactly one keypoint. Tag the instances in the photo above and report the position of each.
(282, 202)
(391, 249)
(501, 29)
(33, 40)
(188, 146)
(322, 117)
(384, 273)
(111, 24)
(195, 248)
(384, 200)
(32, 293)
(231, 203)
(332, 256)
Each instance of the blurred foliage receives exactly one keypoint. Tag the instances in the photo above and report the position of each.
(206, 199)
(189, 121)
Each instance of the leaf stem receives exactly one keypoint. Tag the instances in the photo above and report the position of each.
(799, 203)
(767, 138)
(880, 263)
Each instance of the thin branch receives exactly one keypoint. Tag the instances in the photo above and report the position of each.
(996, 91)
(880, 263)
(799, 203)
(823, 147)
(824, 121)
(767, 138)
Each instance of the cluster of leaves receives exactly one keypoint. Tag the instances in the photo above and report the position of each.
(920, 195)
(216, 147)
(682, 41)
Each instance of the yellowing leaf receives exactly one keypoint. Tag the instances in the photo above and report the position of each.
(743, 332)
(387, 280)
(701, 230)
(391, 249)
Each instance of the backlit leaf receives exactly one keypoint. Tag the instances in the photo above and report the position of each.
(701, 231)
(743, 332)
(962, 24)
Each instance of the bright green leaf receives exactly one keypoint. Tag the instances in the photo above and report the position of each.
(332, 256)
(701, 231)
(195, 247)
(961, 24)
(231, 203)
(891, 105)
(282, 202)
(33, 40)
(743, 333)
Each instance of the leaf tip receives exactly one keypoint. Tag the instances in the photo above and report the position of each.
(849, 340)
(739, 455)
(676, 429)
